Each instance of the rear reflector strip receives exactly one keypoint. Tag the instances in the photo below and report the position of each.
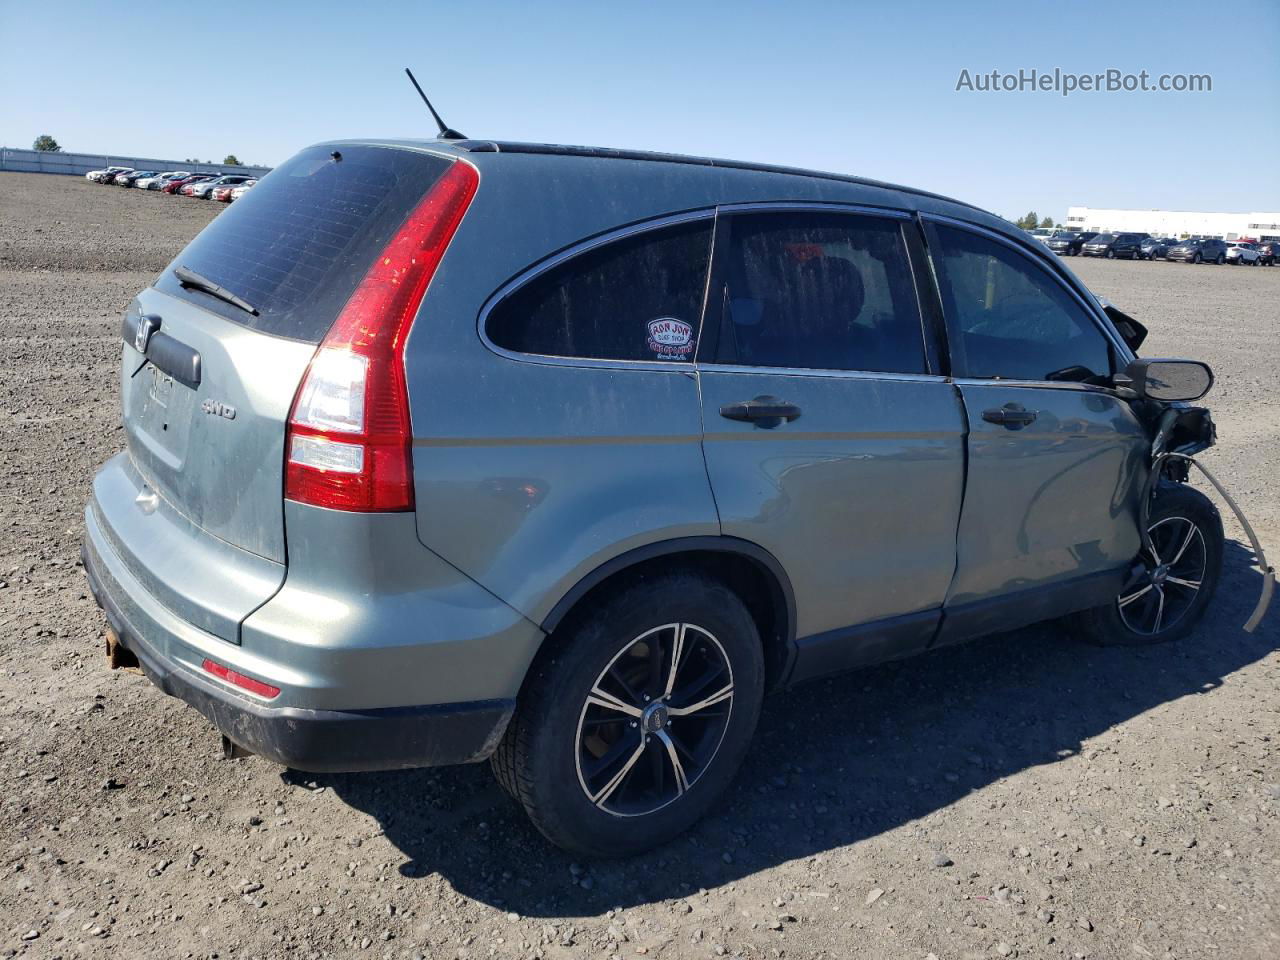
(320, 453)
(230, 676)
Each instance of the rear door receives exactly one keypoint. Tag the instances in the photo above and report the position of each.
(1056, 459)
(829, 439)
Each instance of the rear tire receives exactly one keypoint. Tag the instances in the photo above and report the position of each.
(612, 752)
(1163, 603)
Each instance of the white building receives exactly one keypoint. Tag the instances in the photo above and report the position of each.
(1177, 223)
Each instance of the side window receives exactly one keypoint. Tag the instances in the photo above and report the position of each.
(637, 298)
(1008, 318)
(821, 291)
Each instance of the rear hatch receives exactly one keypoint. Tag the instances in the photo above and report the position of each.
(215, 349)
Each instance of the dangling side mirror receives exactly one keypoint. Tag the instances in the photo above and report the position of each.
(1164, 379)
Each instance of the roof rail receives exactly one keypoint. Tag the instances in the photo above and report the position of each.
(612, 153)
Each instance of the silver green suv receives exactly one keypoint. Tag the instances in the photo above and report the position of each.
(458, 450)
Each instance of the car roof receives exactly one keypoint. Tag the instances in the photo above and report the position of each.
(476, 146)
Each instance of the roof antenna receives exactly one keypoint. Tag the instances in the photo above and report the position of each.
(446, 133)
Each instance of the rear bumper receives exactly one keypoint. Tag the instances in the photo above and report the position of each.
(384, 656)
(310, 739)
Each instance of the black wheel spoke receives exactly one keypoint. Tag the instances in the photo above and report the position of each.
(616, 676)
(657, 766)
(695, 688)
(653, 686)
(594, 722)
(623, 746)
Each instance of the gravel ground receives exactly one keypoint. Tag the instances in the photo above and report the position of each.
(1020, 796)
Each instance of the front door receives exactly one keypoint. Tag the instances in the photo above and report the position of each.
(1056, 459)
(828, 441)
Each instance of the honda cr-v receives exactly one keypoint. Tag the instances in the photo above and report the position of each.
(442, 451)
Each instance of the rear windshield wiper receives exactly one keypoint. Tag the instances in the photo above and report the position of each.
(189, 278)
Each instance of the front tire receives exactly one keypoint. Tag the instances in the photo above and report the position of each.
(1166, 595)
(637, 718)
(1111, 254)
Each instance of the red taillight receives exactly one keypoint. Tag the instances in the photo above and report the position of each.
(240, 680)
(348, 445)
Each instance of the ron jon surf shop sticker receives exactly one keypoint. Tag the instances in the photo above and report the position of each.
(669, 337)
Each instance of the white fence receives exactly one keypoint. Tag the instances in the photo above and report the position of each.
(41, 161)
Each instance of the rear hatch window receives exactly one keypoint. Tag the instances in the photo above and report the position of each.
(298, 243)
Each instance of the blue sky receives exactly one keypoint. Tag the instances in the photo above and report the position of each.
(865, 88)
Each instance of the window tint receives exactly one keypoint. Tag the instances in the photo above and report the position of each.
(823, 291)
(298, 243)
(638, 298)
(1009, 318)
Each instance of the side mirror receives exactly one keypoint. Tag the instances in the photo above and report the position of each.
(1166, 380)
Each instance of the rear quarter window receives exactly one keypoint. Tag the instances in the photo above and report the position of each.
(298, 243)
(635, 298)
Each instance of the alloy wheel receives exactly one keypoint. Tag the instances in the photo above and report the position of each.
(1165, 589)
(654, 720)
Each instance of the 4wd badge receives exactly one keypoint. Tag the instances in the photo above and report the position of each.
(216, 408)
(669, 337)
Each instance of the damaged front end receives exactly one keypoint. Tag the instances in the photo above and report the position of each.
(1159, 390)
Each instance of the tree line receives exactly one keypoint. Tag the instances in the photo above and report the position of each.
(1029, 221)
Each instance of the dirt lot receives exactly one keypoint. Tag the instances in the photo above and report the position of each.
(1021, 796)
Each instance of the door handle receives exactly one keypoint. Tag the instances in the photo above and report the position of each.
(1011, 415)
(761, 408)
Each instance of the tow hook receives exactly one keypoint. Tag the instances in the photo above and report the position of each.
(120, 657)
(232, 750)
(1268, 572)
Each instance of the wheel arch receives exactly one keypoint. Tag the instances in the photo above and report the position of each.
(753, 572)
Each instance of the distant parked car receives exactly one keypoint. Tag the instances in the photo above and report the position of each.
(1067, 243)
(155, 183)
(100, 176)
(221, 194)
(189, 189)
(1112, 245)
(240, 191)
(1199, 250)
(1155, 247)
(174, 186)
(1243, 253)
(129, 179)
(1268, 251)
(1041, 233)
(204, 190)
